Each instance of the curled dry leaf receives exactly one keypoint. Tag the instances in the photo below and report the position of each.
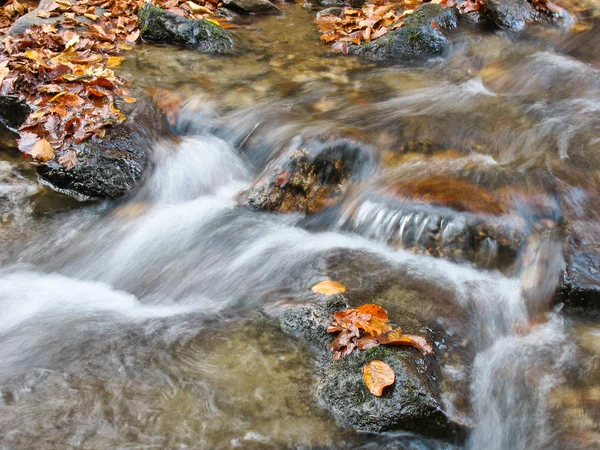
(396, 337)
(328, 287)
(378, 375)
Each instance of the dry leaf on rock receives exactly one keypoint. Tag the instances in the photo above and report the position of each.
(328, 287)
(42, 151)
(378, 375)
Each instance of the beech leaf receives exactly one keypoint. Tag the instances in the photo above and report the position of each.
(42, 151)
(328, 287)
(378, 375)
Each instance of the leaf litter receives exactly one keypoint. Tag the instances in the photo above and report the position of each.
(64, 71)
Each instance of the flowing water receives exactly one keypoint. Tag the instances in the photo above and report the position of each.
(133, 324)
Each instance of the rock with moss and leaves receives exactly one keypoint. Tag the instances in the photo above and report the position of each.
(422, 36)
(411, 403)
(309, 174)
(158, 25)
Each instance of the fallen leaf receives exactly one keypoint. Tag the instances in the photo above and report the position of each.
(114, 61)
(373, 310)
(328, 287)
(396, 337)
(378, 375)
(68, 160)
(367, 342)
(130, 100)
(42, 151)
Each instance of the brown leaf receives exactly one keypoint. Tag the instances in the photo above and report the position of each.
(471, 5)
(132, 37)
(328, 287)
(378, 375)
(68, 160)
(367, 342)
(26, 141)
(42, 151)
(397, 338)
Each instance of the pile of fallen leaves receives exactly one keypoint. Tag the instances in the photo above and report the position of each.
(11, 11)
(366, 327)
(367, 23)
(363, 328)
(64, 71)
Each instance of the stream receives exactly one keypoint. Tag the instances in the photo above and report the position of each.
(133, 324)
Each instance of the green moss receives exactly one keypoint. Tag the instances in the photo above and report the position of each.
(380, 352)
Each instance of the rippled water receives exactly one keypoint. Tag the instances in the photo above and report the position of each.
(132, 324)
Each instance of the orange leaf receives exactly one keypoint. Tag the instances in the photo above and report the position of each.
(397, 338)
(374, 310)
(328, 287)
(378, 375)
(130, 100)
(42, 151)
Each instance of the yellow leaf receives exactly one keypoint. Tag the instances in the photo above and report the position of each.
(213, 21)
(94, 17)
(31, 54)
(74, 40)
(42, 151)
(114, 61)
(328, 287)
(378, 375)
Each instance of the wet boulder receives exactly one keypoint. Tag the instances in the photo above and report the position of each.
(251, 6)
(309, 175)
(411, 403)
(158, 25)
(421, 37)
(580, 284)
(13, 111)
(107, 167)
(514, 14)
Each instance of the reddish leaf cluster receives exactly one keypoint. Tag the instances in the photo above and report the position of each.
(198, 9)
(366, 327)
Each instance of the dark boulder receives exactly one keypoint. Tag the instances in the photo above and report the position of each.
(158, 25)
(251, 6)
(514, 14)
(412, 403)
(580, 284)
(309, 174)
(107, 167)
(13, 111)
(419, 38)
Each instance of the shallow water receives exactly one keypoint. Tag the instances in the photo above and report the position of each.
(133, 324)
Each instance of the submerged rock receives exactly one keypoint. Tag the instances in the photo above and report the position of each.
(158, 25)
(412, 403)
(251, 6)
(420, 37)
(308, 175)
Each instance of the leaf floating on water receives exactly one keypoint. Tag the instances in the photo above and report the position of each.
(42, 151)
(378, 375)
(328, 287)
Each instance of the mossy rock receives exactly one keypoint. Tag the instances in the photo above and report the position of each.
(158, 25)
(412, 403)
(309, 174)
(417, 39)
